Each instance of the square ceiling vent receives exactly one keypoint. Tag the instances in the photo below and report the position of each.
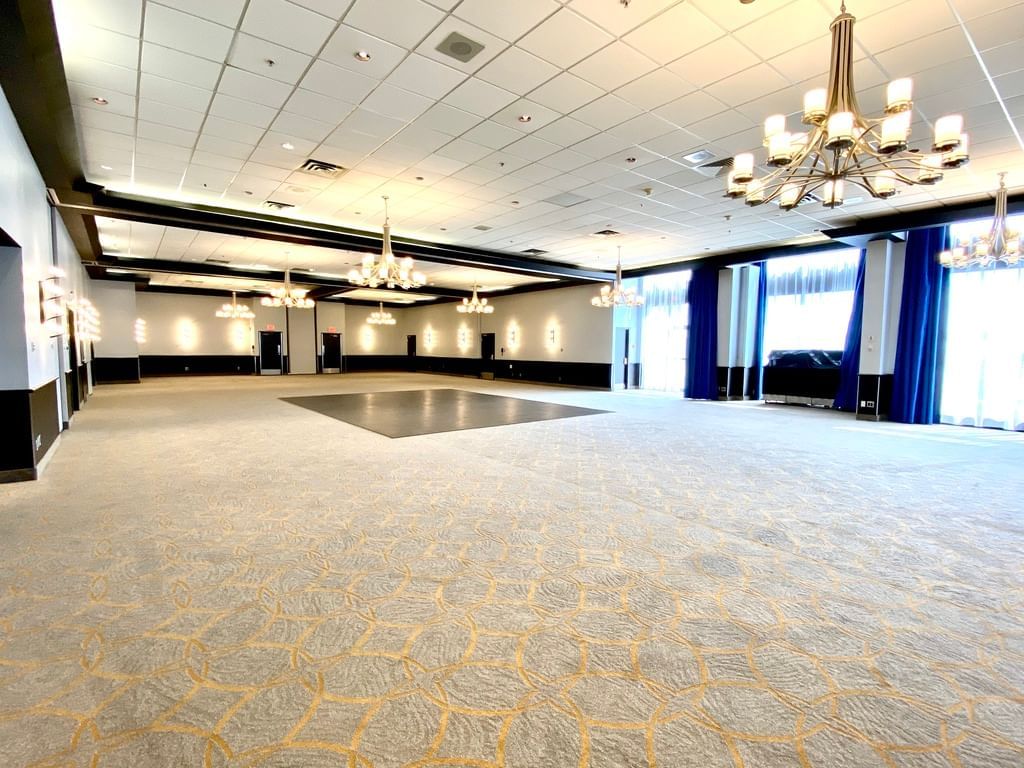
(459, 47)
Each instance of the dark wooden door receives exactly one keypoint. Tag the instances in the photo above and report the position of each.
(331, 345)
(270, 352)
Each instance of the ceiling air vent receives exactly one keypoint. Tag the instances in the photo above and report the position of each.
(715, 169)
(565, 199)
(321, 168)
(483, 227)
(459, 47)
(534, 252)
(698, 157)
(607, 233)
(275, 205)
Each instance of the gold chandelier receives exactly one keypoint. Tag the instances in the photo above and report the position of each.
(615, 295)
(387, 270)
(843, 145)
(235, 311)
(475, 305)
(1001, 244)
(292, 298)
(380, 317)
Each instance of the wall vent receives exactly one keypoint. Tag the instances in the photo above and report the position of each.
(277, 206)
(322, 168)
(459, 47)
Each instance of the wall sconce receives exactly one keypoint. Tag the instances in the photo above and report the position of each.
(513, 336)
(367, 339)
(240, 338)
(140, 331)
(187, 334)
(429, 339)
(463, 338)
(553, 337)
(51, 302)
(87, 321)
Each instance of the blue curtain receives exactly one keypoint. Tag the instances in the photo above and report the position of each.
(849, 371)
(762, 303)
(702, 338)
(921, 338)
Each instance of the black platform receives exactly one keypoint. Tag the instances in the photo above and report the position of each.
(428, 411)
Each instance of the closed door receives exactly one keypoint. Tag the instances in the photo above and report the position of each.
(620, 359)
(330, 346)
(270, 353)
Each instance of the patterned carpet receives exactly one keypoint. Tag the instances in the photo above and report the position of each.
(208, 576)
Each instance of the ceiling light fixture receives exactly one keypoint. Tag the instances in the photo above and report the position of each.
(475, 305)
(844, 146)
(525, 118)
(615, 295)
(387, 270)
(1001, 244)
(292, 298)
(362, 56)
(235, 311)
(288, 145)
(380, 317)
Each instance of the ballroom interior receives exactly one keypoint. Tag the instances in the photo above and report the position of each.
(583, 383)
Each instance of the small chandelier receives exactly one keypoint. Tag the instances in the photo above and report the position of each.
(615, 295)
(293, 298)
(380, 317)
(1000, 244)
(388, 270)
(475, 305)
(844, 146)
(235, 311)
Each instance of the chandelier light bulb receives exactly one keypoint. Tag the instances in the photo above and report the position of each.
(885, 184)
(773, 126)
(815, 106)
(948, 131)
(755, 192)
(898, 96)
(743, 168)
(780, 149)
(735, 189)
(840, 131)
(895, 133)
(959, 155)
(833, 193)
(790, 197)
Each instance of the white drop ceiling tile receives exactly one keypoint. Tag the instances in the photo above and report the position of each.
(160, 163)
(179, 66)
(176, 94)
(479, 176)
(642, 128)
(201, 177)
(1009, 85)
(291, 124)
(507, 20)
(349, 146)
(268, 172)
(492, 134)
(607, 111)
(938, 79)
(1004, 58)
(254, 55)
(150, 178)
(784, 29)
(425, 76)
(274, 157)
(532, 148)
(399, 155)
(441, 165)
(346, 41)
(565, 38)
(220, 145)
(226, 12)
(372, 124)
(176, 117)
(107, 121)
(341, 84)
(997, 28)
(655, 89)
(888, 29)
(661, 38)
(101, 76)
(504, 162)
(722, 125)
(391, 101)
(748, 85)
(716, 61)
(788, 101)
(124, 16)
(242, 111)
(287, 24)
(415, 135)
(566, 182)
(567, 160)
(82, 95)
(538, 116)
(170, 151)
(565, 93)
(617, 19)
(604, 144)
(246, 85)
(535, 173)
(213, 160)
(517, 71)
(565, 131)
(184, 32)
(479, 98)
(97, 43)
(166, 133)
(466, 151)
(333, 9)
(405, 22)
(691, 108)
(613, 66)
(447, 119)
(318, 107)
(492, 46)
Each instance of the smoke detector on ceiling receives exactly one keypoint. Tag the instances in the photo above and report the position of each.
(459, 47)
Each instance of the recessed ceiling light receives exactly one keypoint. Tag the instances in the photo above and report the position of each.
(288, 145)
(630, 160)
(419, 178)
(100, 100)
(106, 168)
(525, 118)
(515, 202)
(362, 55)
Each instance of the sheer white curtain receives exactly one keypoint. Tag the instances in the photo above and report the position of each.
(983, 370)
(810, 298)
(664, 321)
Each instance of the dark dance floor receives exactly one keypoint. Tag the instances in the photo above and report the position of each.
(427, 411)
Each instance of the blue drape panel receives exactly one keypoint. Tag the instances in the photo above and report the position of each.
(762, 303)
(702, 338)
(921, 337)
(849, 371)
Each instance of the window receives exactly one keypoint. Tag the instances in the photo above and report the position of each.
(983, 370)
(664, 320)
(810, 298)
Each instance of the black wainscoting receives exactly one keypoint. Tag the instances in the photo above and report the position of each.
(196, 365)
(593, 375)
(83, 383)
(737, 385)
(366, 363)
(17, 457)
(874, 396)
(723, 382)
(45, 417)
(115, 370)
